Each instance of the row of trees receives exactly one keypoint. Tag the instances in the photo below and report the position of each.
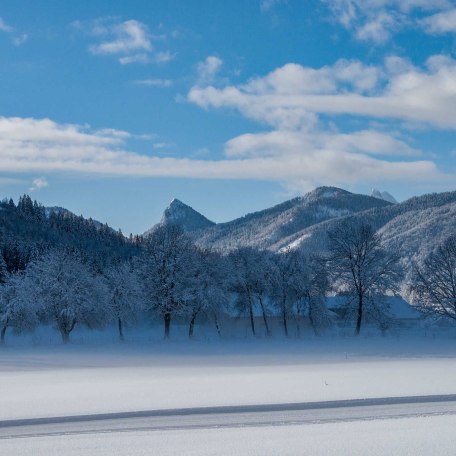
(172, 278)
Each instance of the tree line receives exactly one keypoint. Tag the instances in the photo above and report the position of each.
(170, 277)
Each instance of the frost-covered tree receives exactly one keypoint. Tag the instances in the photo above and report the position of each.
(18, 310)
(316, 285)
(67, 291)
(299, 289)
(244, 267)
(167, 273)
(124, 294)
(434, 283)
(253, 272)
(211, 287)
(360, 267)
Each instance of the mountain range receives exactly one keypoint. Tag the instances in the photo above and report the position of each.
(413, 227)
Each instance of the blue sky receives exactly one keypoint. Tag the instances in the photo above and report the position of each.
(111, 109)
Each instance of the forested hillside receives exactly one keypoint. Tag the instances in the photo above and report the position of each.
(29, 227)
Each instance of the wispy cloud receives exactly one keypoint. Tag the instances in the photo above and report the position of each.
(163, 145)
(124, 38)
(16, 39)
(4, 27)
(292, 99)
(292, 95)
(163, 57)
(294, 158)
(267, 5)
(20, 39)
(38, 184)
(378, 20)
(208, 69)
(129, 41)
(155, 82)
(440, 23)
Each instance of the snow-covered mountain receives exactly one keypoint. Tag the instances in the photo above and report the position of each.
(178, 213)
(412, 227)
(268, 228)
(383, 195)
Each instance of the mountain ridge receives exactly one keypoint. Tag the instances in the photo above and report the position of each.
(412, 227)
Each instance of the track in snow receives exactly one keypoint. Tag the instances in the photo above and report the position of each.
(233, 416)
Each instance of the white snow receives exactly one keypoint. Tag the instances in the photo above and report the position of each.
(407, 436)
(95, 376)
(84, 379)
(383, 195)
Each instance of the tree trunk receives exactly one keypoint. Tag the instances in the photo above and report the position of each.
(65, 336)
(263, 311)
(192, 324)
(252, 322)
(360, 314)
(217, 325)
(312, 323)
(120, 326)
(65, 331)
(3, 332)
(284, 319)
(167, 318)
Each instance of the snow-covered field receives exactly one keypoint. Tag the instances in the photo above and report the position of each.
(411, 436)
(107, 377)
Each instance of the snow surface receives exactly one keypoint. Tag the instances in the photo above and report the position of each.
(406, 436)
(97, 375)
(89, 378)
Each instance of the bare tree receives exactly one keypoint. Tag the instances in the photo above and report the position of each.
(252, 281)
(361, 267)
(299, 288)
(313, 294)
(287, 284)
(124, 294)
(167, 270)
(211, 287)
(243, 266)
(434, 284)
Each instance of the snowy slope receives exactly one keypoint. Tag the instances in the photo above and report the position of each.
(268, 228)
(383, 195)
(412, 228)
(178, 213)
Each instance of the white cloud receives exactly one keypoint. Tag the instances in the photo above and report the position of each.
(208, 69)
(163, 57)
(134, 58)
(378, 20)
(19, 40)
(124, 38)
(439, 23)
(291, 96)
(294, 158)
(155, 82)
(4, 27)
(162, 145)
(129, 41)
(266, 5)
(38, 184)
(378, 29)
(291, 99)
